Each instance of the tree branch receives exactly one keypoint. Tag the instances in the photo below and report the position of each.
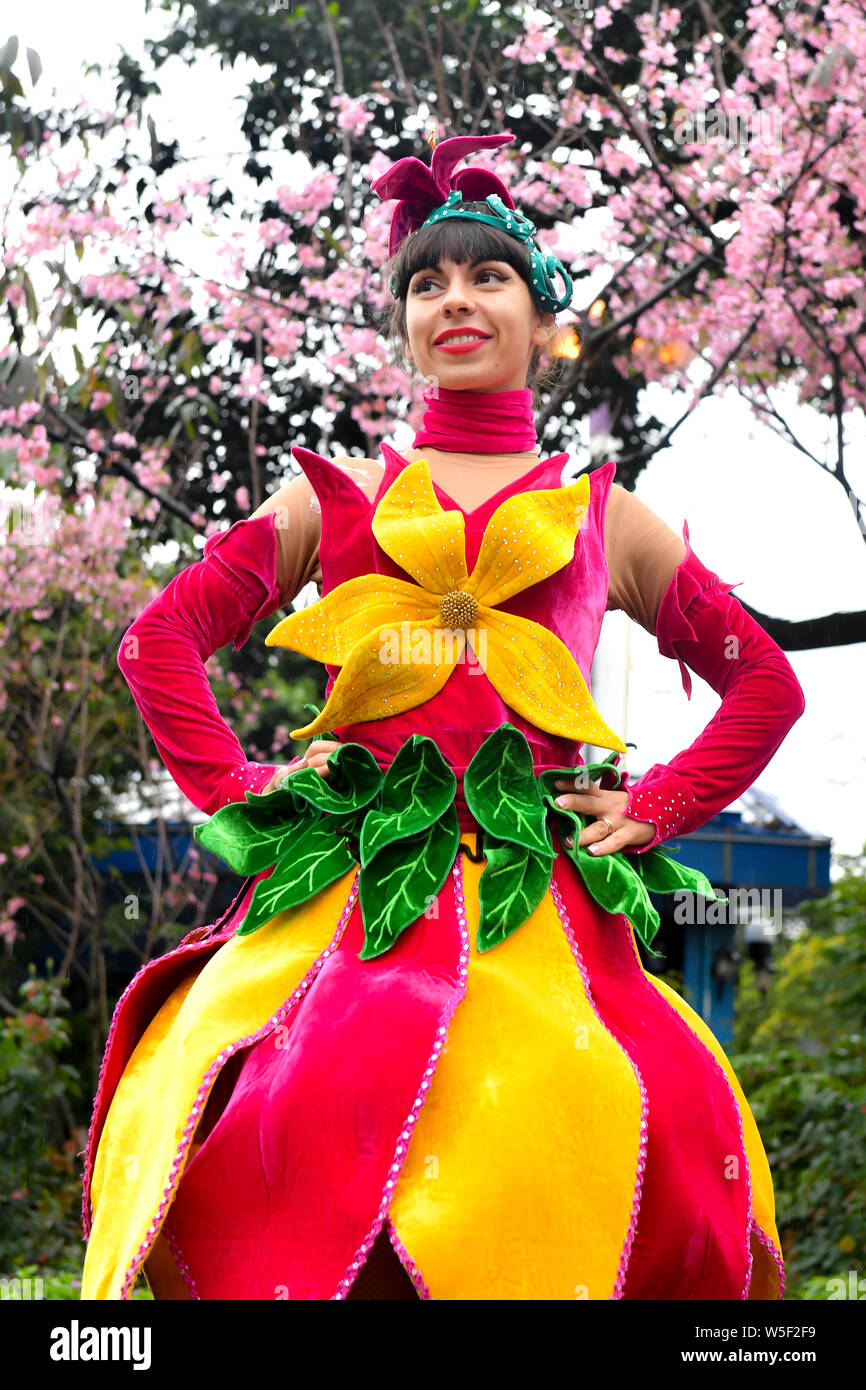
(641, 455)
(813, 634)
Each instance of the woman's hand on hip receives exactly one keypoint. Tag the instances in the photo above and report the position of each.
(590, 800)
(316, 756)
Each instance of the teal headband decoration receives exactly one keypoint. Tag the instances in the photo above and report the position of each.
(422, 189)
(544, 269)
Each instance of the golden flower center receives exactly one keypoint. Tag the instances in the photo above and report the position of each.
(458, 609)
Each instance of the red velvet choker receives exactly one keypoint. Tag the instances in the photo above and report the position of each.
(482, 422)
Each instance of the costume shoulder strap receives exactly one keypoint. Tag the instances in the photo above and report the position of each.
(346, 543)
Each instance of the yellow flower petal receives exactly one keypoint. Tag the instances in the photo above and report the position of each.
(329, 629)
(537, 676)
(425, 541)
(382, 676)
(528, 538)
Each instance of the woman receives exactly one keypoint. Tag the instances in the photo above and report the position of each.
(421, 1058)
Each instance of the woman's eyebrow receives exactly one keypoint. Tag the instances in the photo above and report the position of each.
(479, 260)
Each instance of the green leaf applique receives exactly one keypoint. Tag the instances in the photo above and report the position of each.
(501, 791)
(252, 838)
(512, 884)
(354, 780)
(661, 873)
(419, 787)
(617, 888)
(303, 828)
(609, 878)
(314, 860)
(403, 880)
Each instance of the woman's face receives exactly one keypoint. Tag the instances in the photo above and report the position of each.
(489, 298)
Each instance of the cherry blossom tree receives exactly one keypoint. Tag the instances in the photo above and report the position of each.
(720, 140)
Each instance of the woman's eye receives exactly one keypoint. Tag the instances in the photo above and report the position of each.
(421, 283)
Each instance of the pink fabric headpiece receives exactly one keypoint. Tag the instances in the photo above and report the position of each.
(457, 421)
(422, 189)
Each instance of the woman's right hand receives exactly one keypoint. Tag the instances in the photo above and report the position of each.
(316, 756)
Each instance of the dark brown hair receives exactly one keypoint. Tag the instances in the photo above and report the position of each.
(457, 239)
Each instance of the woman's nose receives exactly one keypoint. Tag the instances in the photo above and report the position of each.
(456, 294)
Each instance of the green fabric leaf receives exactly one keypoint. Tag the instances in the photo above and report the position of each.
(610, 878)
(355, 779)
(616, 887)
(317, 858)
(350, 823)
(624, 884)
(501, 791)
(403, 880)
(419, 787)
(281, 801)
(547, 780)
(316, 712)
(252, 838)
(512, 884)
(612, 881)
(660, 873)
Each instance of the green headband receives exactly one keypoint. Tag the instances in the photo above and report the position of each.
(509, 220)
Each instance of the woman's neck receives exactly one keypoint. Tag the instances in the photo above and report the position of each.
(476, 461)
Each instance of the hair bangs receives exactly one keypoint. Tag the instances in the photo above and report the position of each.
(460, 240)
(463, 241)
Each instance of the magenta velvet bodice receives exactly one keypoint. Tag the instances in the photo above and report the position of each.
(570, 603)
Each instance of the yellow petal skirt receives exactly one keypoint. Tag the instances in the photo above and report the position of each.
(538, 1126)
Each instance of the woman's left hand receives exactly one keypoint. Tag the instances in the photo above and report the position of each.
(589, 799)
(316, 756)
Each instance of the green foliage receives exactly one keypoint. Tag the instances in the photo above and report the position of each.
(802, 1064)
(39, 1216)
(63, 1283)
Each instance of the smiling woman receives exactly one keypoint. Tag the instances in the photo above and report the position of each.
(421, 1056)
(458, 276)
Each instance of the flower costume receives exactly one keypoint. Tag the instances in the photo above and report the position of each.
(526, 539)
(424, 1019)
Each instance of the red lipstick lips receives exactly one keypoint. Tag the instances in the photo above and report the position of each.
(447, 344)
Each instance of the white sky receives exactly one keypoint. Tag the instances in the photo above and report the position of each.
(758, 511)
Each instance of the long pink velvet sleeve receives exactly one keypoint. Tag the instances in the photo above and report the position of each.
(211, 603)
(699, 623)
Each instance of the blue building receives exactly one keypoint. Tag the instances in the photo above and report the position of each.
(765, 865)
